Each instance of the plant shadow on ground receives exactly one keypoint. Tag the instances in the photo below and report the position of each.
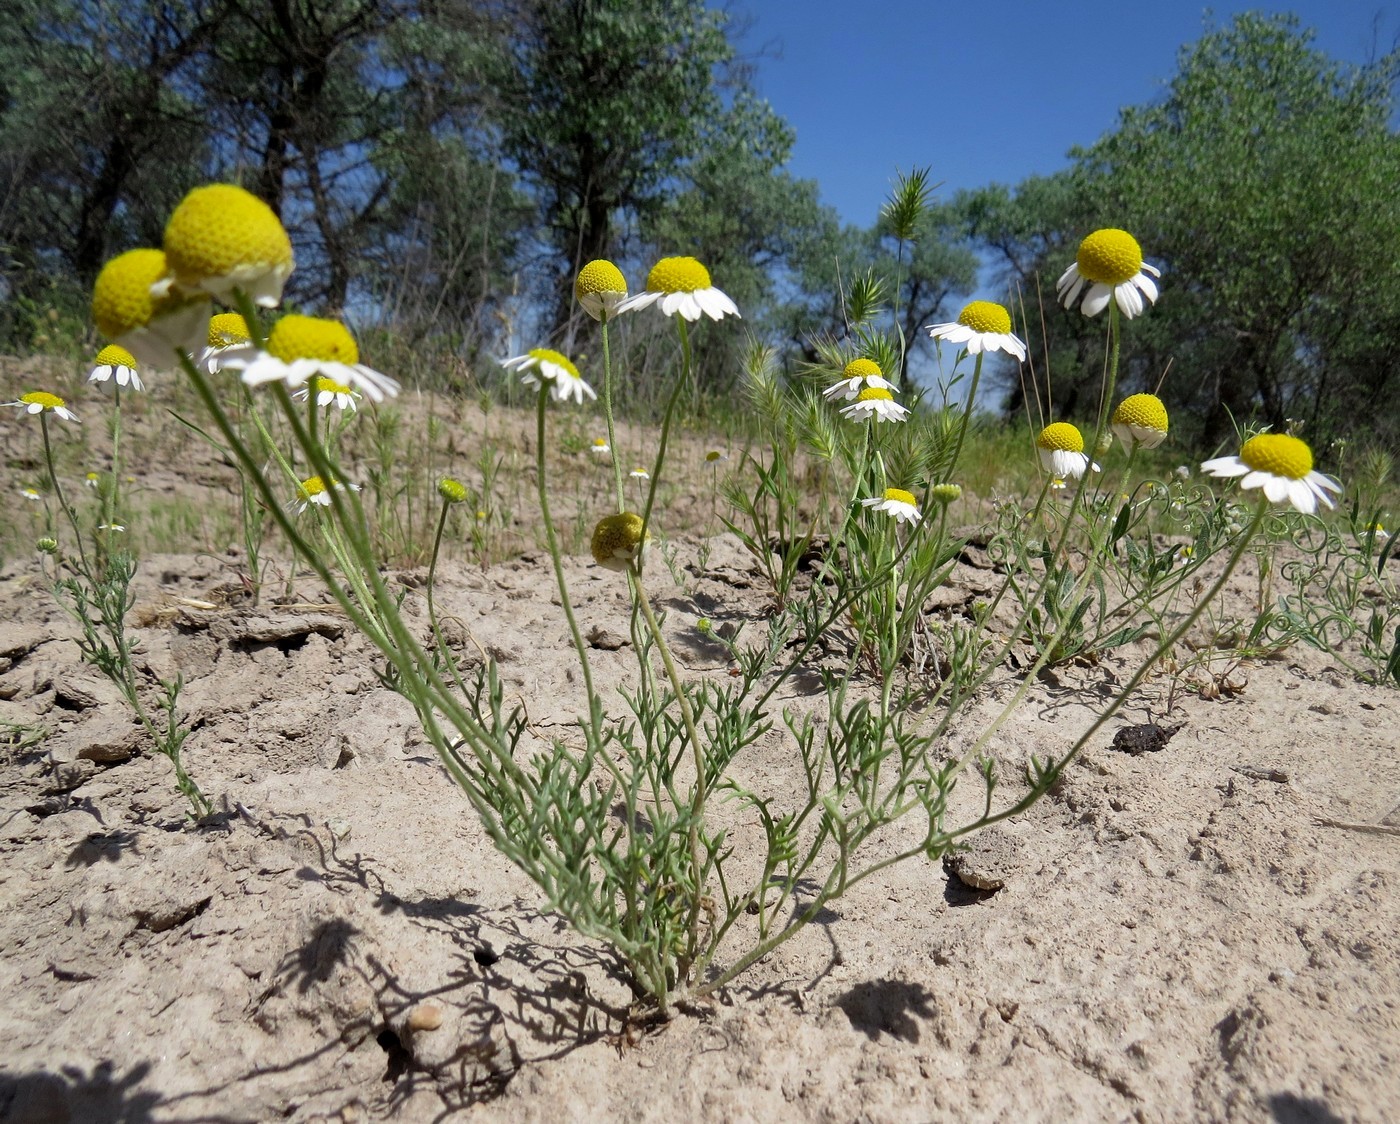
(515, 999)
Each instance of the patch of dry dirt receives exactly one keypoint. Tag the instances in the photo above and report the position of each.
(1180, 934)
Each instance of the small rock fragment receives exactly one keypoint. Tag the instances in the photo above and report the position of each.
(425, 1016)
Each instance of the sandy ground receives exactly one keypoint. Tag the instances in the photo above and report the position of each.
(1206, 931)
(1181, 934)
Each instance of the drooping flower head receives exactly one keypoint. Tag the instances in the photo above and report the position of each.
(1283, 466)
(40, 402)
(299, 347)
(600, 288)
(118, 364)
(229, 338)
(544, 366)
(874, 402)
(982, 326)
(1110, 264)
(222, 238)
(899, 504)
(1061, 448)
(135, 306)
(617, 542)
(1140, 419)
(682, 285)
(859, 374)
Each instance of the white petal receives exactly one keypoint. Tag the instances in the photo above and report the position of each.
(1067, 278)
(1278, 488)
(1300, 495)
(1129, 299)
(1225, 467)
(640, 300)
(1147, 285)
(1097, 300)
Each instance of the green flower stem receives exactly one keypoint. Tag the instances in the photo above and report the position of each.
(699, 795)
(608, 414)
(58, 491)
(966, 418)
(112, 506)
(1164, 646)
(432, 573)
(666, 424)
(556, 556)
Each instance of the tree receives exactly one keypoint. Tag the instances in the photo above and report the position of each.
(1263, 183)
(599, 104)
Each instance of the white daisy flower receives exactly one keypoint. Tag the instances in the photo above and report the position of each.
(328, 393)
(1140, 419)
(299, 347)
(600, 288)
(1282, 466)
(874, 402)
(31, 493)
(40, 402)
(600, 446)
(898, 503)
(859, 374)
(229, 339)
(543, 365)
(618, 542)
(314, 491)
(682, 285)
(222, 239)
(116, 363)
(639, 473)
(135, 306)
(1061, 448)
(1110, 264)
(982, 326)
(113, 527)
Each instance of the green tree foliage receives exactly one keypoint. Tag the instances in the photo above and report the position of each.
(599, 104)
(99, 137)
(1263, 183)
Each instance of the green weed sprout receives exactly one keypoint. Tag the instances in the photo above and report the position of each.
(94, 585)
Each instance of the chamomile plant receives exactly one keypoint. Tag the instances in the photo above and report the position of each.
(637, 825)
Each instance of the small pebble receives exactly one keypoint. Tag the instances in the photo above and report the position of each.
(425, 1016)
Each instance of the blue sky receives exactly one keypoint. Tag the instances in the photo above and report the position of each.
(983, 93)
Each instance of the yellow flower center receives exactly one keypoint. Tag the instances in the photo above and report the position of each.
(121, 297)
(678, 275)
(329, 386)
(1110, 257)
(227, 329)
(42, 398)
(600, 442)
(310, 337)
(221, 230)
(315, 486)
(616, 539)
(901, 496)
(862, 369)
(547, 355)
(452, 490)
(874, 393)
(1278, 454)
(599, 276)
(1143, 410)
(114, 356)
(986, 316)
(1063, 436)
